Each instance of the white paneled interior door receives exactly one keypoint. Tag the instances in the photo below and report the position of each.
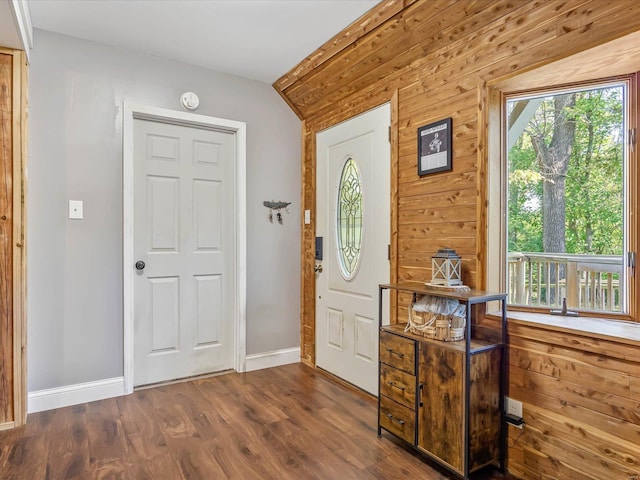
(353, 219)
(183, 232)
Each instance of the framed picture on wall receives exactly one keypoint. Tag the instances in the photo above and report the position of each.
(434, 147)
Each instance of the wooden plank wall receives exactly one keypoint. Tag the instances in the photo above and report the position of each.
(13, 111)
(6, 239)
(581, 405)
(437, 57)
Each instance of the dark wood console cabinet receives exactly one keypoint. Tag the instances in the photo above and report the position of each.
(446, 398)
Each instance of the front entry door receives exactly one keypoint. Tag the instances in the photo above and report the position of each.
(353, 219)
(183, 241)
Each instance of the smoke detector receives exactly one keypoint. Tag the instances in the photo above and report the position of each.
(190, 100)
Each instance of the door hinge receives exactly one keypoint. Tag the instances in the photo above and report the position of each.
(389, 134)
(631, 260)
(389, 252)
(632, 139)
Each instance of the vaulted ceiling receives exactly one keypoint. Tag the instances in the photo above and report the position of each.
(256, 39)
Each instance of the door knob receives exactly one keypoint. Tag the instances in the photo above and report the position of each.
(140, 265)
(318, 268)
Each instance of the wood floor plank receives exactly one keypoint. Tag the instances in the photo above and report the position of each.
(283, 423)
(26, 458)
(146, 443)
(66, 438)
(193, 458)
(107, 446)
(238, 460)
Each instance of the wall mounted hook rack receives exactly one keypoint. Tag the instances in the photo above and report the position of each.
(277, 206)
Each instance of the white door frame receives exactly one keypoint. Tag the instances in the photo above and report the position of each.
(144, 112)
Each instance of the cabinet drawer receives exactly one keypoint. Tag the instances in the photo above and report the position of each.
(398, 419)
(398, 352)
(398, 385)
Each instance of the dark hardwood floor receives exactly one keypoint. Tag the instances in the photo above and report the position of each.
(288, 422)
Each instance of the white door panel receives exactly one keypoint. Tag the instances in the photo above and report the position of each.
(347, 288)
(184, 232)
(364, 342)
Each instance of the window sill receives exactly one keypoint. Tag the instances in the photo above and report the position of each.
(607, 329)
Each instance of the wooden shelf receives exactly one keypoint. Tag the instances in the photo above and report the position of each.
(469, 297)
(459, 346)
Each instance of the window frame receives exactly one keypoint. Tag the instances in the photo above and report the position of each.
(496, 187)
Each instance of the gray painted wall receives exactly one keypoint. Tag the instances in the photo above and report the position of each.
(74, 300)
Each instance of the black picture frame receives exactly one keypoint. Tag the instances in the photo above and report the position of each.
(434, 147)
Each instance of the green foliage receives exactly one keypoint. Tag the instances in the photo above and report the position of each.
(525, 215)
(594, 182)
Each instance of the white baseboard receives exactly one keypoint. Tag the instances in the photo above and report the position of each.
(276, 358)
(114, 387)
(74, 394)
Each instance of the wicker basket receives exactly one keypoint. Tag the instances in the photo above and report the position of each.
(447, 327)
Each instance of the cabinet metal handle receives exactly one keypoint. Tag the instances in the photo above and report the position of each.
(395, 385)
(420, 388)
(399, 422)
(393, 352)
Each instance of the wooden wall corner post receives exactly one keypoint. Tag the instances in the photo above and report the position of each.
(304, 356)
(13, 120)
(307, 258)
(394, 174)
(303, 226)
(7, 150)
(19, 244)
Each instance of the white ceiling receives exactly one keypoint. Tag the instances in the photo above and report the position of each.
(257, 39)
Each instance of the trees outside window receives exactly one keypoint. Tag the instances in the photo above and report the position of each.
(566, 198)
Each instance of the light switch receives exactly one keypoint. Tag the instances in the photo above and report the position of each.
(75, 209)
(307, 217)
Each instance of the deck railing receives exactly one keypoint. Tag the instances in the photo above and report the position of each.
(588, 282)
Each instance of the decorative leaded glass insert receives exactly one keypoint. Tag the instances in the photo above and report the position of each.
(349, 219)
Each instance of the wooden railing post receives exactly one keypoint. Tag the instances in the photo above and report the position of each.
(573, 285)
(520, 282)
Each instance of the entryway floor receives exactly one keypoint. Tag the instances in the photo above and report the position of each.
(288, 422)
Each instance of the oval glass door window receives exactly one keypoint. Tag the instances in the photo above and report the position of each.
(349, 219)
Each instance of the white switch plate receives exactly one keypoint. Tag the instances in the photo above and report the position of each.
(307, 217)
(75, 209)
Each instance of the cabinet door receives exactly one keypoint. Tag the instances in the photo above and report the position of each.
(484, 418)
(440, 419)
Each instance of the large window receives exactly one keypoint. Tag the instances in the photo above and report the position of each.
(567, 198)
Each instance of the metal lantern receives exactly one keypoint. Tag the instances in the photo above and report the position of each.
(445, 268)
